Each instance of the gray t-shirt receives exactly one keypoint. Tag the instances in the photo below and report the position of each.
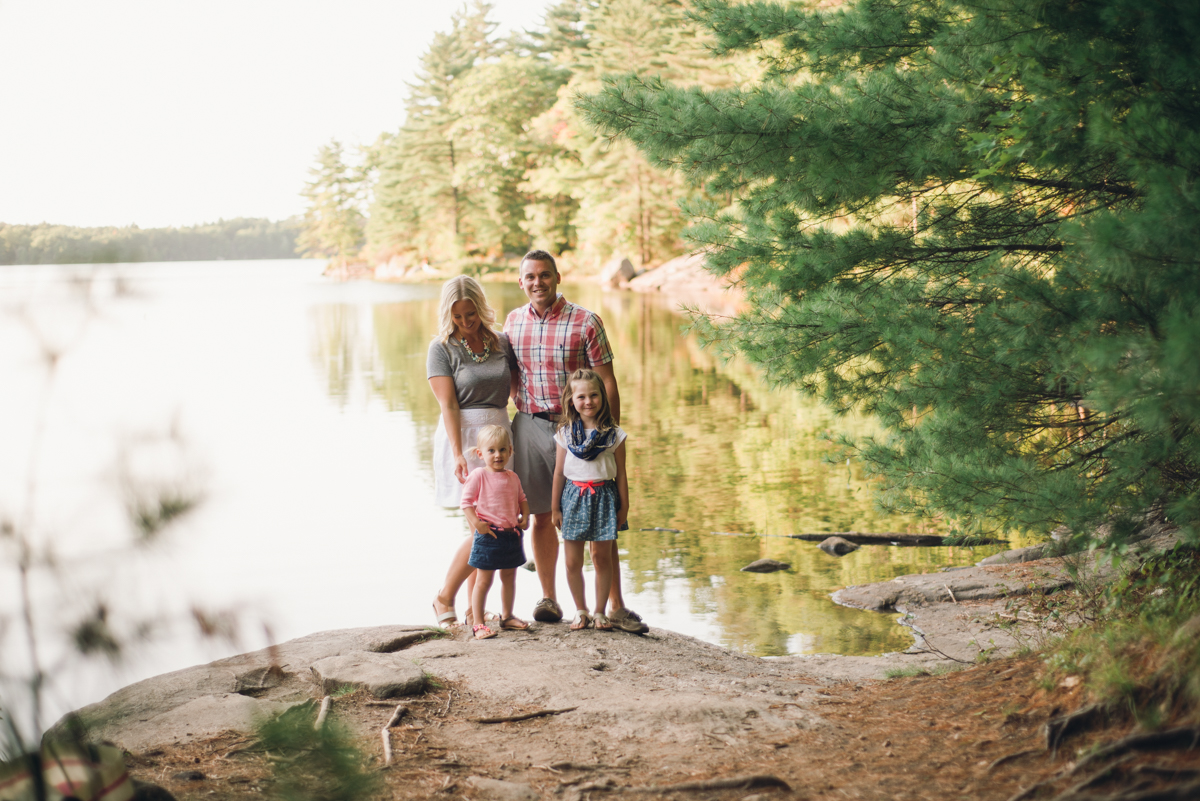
(477, 385)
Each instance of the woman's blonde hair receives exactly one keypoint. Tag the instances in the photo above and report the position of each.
(464, 287)
(604, 420)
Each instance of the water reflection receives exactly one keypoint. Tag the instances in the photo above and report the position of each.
(711, 449)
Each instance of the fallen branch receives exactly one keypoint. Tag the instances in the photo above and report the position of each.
(325, 702)
(736, 783)
(527, 716)
(401, 709)
(387, 746)
(952, 598)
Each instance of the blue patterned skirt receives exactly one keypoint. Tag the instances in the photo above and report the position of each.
(502, 552)
(590, 513)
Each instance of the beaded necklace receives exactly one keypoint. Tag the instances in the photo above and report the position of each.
(478, 358)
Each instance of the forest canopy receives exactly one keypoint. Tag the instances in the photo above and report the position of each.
(493, 157)
(977, 221)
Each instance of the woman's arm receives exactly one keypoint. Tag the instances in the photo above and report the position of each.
(622, 486)
(443, 390)
(560, 457)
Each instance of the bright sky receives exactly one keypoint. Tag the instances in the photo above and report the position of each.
(162, 113)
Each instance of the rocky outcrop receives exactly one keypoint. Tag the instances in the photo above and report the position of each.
(617, 272)
(239, 692)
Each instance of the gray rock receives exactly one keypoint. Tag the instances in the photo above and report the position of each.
(382, 675)
(390, 644)
(836, 546)
(1189, 632)
(258, 681)
(616, 272)
(503, 791)
(766, 566)
(198, 701)
(1030, 554)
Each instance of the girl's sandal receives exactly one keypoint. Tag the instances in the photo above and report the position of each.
(602, 622)
(513, 624)
(482, 632)
(582, 621)
(488, 617)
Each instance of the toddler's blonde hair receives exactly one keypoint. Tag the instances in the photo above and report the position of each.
(493, 435)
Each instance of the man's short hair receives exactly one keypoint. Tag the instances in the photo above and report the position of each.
(540, 255)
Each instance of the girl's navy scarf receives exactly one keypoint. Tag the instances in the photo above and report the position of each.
(589, 445)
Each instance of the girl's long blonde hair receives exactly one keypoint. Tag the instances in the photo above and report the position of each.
(464, 287)
(604, 419)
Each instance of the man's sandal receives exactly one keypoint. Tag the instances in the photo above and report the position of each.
(582, 621)
(482, 632)
(602, 622)
(513, 624)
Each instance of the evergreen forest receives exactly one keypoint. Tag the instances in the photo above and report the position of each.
(976, 221)
(240, 238)
(494, 156)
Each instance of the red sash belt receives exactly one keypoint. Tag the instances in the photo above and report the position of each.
(588, 485)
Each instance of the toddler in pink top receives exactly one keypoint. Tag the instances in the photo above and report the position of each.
(495, 506)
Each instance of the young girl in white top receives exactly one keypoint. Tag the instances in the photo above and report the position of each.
(590, 501)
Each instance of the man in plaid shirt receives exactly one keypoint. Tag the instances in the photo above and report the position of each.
(551, 339)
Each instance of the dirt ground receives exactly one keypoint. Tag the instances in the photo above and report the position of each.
(975, 733)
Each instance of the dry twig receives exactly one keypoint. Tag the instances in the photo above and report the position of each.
(527, 716)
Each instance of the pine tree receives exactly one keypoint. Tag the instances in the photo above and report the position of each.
(617, 203)
(978, 222)
(419, 204)
(333, 221)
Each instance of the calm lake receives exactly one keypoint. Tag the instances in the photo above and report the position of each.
(299, 408)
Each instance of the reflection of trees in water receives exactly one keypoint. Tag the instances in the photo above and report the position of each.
(343, 347)
(711, 448)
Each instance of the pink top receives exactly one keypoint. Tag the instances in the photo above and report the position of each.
(496, 496)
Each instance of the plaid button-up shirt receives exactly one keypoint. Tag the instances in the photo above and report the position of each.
(550, 348)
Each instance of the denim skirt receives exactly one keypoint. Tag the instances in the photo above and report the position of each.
(502, 552)
(590, 513)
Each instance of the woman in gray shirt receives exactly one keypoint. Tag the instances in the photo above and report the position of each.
(471, 370)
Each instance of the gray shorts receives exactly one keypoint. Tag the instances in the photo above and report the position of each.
(533, 459)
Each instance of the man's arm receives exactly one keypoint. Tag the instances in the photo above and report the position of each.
(605, 371)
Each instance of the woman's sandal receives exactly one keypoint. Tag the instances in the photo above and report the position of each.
(513, 624)
(482, 632)
(602, 622)
(582, 620)
(448, 618)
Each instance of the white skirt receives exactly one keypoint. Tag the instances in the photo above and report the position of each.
(447, 490)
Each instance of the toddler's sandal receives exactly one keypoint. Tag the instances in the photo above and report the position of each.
(482, 632)
(582, 621)
(602, 622)
(513, 624)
